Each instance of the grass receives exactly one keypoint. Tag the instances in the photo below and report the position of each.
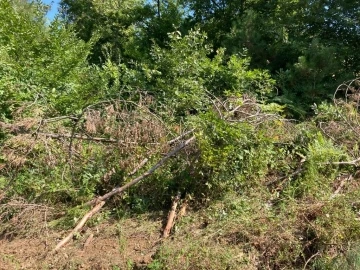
(236, 231)
(9, 260)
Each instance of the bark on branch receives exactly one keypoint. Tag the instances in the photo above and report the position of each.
(118, 190)
(171, 142)
(171, 216)
(352, 162)
(82, 222)
(341, 185)
(80, 137)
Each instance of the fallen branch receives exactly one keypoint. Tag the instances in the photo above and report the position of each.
(311, 257)
(171, 216)
(341, 185)
(99, 139)
(182, 211)
(118, 190)
(79, 226)
(87, 138)
(171, 142)
(59, 118)
(331, 137)
(139, 166)
(88, 241)
(100, 201)
(352, 162)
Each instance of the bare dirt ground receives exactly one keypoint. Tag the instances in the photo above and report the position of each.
(30, 232)
(124, 244)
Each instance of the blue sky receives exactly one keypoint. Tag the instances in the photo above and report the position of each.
(54, 7)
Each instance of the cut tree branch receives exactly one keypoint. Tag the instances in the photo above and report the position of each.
(99, 139)
(79, 226)
(100, 201)
(59, 118)
(139, 166)
(171, 216)
(80, 137)
(171, 142)
(118, 190)
(341, 185)
(352, 162)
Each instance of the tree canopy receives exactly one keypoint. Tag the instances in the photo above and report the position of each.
(308, 46)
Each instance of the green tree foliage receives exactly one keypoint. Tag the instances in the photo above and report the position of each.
(294, 40)
(281, 35)
(116, 23)
(185, 78)
(126, 30)
(41, 62)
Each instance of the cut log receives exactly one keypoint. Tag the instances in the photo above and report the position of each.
(171, 216)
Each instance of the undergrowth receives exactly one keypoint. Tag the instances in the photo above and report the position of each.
(267, 195)
(265, 191)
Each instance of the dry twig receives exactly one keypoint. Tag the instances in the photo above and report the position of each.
(88, 241)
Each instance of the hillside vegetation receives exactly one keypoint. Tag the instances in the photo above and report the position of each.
(239, 117)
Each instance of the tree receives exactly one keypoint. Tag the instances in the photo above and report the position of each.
(42, 64)
(126, 30)
(116, 24)
(281, 35)
(185, 79)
